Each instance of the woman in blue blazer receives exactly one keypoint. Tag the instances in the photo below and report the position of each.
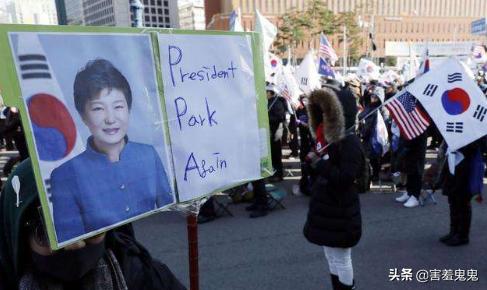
(114, 179)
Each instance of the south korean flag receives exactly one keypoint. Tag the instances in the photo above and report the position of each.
(454, 102)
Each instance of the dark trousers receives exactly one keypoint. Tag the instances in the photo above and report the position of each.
(276, 154)
(293, 140)
(414, 184)
(460, 213)
(375, 162)
(260, 194)
(304, 148)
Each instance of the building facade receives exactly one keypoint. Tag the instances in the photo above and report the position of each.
(28, 12)
(388, 20)
(160, 13)
(157, 13)
(192, 15)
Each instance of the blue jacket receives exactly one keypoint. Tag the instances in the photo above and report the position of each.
(89, 192)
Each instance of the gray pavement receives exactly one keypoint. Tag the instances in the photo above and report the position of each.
(271, 252)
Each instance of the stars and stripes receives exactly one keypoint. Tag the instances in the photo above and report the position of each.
(326, 51)
(412, 121)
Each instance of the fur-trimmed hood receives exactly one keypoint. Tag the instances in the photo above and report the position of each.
(325, 107)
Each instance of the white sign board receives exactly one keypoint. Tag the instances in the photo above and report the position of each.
(211, 105)
(400, 48)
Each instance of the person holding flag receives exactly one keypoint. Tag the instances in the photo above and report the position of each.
(334, 219)
(458, 107)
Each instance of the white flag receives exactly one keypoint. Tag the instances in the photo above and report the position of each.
(454, 102)
(368, 70)
(268, 32)
(266, 29)
(235, 21)
(287, 86)
(381, 135)
(307, 74)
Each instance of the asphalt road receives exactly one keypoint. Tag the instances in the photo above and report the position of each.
(271, 253)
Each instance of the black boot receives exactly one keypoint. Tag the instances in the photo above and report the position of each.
(251, 207)
(464, 221)
(260, 211)
(453, 225)
(342, 286)
(334, 281)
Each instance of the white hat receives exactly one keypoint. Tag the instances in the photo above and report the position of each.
(271, 87)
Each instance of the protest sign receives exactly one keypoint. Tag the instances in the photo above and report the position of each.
(104, 149)
(211, 108)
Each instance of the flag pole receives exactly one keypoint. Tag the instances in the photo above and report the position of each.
(344, 49)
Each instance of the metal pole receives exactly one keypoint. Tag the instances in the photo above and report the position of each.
(344, 49)
(193, 251)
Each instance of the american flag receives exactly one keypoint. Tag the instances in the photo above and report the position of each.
(412, 121)
(326, 51)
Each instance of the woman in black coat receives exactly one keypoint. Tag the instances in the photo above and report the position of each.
(334, 219)
(457, 188)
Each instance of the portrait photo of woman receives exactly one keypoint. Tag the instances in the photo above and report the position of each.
(115, 178)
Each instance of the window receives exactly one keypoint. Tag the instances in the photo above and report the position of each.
(153, 10)
(159, 2)
(152, 2)
(159, 11)
(166, 11)
(160, 18)
(147, 18)
(154, 19)
(165, 3)
(167, 19)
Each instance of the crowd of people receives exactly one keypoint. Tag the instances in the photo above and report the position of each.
(332, 131)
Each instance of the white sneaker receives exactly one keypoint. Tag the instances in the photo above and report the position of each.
(403, 197)
(412, 202)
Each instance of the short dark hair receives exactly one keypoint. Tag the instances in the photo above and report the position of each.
(97, 75)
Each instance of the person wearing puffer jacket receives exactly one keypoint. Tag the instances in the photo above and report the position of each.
(334, 219)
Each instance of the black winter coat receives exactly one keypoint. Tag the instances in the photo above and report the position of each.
(140, 270)
(334, 218)
(277, 113)
(459, 184)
